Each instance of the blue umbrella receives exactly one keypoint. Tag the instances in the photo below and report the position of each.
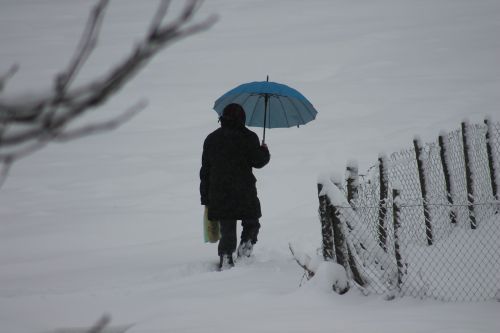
(269, 105)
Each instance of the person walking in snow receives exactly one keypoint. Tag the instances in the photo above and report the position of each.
(227, 184)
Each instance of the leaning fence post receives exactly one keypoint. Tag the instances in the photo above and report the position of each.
(356, 273)
(339, 240)
(423, 189)
(326, 225)
(491, 161)
(352, 182)
(443, 152)
(468, 176)
(397, 224)
(338, 235)
(382, 212)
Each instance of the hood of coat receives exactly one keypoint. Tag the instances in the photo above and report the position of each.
(233, 116)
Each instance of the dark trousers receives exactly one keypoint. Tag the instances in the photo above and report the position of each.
(227, 242)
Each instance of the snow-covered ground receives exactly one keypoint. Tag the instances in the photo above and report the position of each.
(112, 223)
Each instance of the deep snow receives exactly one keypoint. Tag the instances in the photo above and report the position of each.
(112, 223)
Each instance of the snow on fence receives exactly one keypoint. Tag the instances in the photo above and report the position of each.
(423, 222)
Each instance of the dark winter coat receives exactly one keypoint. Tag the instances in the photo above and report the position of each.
(227, 184)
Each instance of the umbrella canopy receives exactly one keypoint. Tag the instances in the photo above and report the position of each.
(269, 105)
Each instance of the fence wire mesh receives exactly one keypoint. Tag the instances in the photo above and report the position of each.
(448, 238)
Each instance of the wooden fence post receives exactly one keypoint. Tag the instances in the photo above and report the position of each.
(423, 189)
(326, 225)
(382, 212)
(352, 183)
(491, 162)
(340, 239)
(443, 152)
(356, 273)
(468, 176)
(338, 235)
(395, 217)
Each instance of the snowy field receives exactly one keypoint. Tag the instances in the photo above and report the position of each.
(112, 223)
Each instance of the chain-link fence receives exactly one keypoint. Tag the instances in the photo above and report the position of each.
(423, 222)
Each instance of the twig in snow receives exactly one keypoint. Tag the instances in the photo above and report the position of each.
(308, 271)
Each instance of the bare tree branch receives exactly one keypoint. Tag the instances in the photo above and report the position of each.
(87, 44)
(5, 77)
(105, 126)
(100, 325)
(26, 127)
(4, 172)
(158, 18)
(97, 92)
(67, 135)
(23, 150)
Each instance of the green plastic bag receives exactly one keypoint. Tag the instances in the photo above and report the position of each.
(211, 229)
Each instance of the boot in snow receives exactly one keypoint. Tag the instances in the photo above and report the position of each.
(226, 262)
(245, 249)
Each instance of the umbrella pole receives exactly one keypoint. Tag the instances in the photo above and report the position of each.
(266, 99)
